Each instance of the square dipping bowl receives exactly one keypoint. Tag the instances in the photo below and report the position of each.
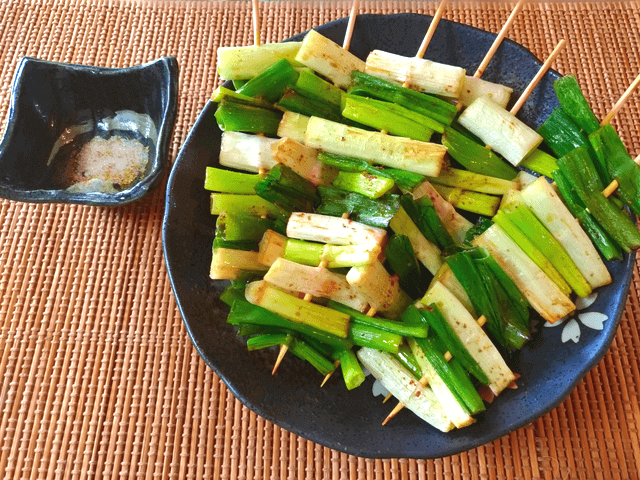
(70, 123)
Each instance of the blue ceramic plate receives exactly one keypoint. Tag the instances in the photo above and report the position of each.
(350, 421)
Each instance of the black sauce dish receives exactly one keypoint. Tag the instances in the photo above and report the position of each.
(551, 365)
(57, 108)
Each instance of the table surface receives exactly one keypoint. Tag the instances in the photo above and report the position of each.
(98, 377)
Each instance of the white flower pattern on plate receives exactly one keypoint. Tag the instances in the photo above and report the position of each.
(571, 329)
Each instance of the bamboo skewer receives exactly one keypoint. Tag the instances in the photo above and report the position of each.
(607, 192)
(534, 83)
(424, 381)
(256, 22)
(350, 26)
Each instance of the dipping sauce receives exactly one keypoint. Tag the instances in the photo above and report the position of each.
(107, 165)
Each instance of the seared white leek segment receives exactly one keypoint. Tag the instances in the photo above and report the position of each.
(401, 384)
(316, 281)
(421, 74)
(397, 152)
(552, 212)
(328, 58)
(456, 412)
(335, 230)
(227, 263)
(479, 345)
(296, 309)
(304, 161)
(500, 130)
(456, 224)
(454, 177)
(446, 277)
(543, 295)
(293, 125)
(247, 152)
(271, 247)
(525, 178)
(511, 199)
(425, 251)
(474, 88)
(243, 63)
(380, 289)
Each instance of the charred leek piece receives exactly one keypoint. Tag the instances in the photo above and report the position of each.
(369, 86)
(267, 340)
(312, 86)
(455, 392)
(421, 74)
(479, 228)
(251, 153)
(351, 369)
(574, 103)
(399, 382)
(446, 277)
(472, 336)
(500, 130)
(271, 83)
(389, 117)
(425, 251)
(336, 256)
(540, 162)
(235, 116)
(245, 313)
(310, 107)
(304, 351)
(318, 282)
(598, 235)
(294, 126)
(243, 63)
(456, 224)
(470, 201)
(222, 92)
(399, 328)
(423, 213)
(287, 190)
(396, 152)
(297, 310)
(235, 244)
(528, 246)
(543, 295)
(533, 229)
(402, 258)
(271, 247)
(328, 58)
(408, 361)
(241, 227)
(620, 166)
(338, 231)
(372, 186)
(476, 158)
(227, 264)
(242, 204)
(474, 88)
(453, 177)
(545, 203)
(580, 171)
(380, 289)
(226, 181)
(453, 344)
(371, 337)
(562, 136)
(375, 213)
(304, 161)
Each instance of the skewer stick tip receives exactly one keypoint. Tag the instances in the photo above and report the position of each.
(351, 25)
(256, 22)
(620, 103)
(393, 413)
(283, 352)
(386, 399)
(432, 28)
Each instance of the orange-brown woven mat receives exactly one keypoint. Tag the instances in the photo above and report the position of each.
(98, 378)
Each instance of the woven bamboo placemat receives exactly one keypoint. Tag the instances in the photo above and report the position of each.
(98, 378)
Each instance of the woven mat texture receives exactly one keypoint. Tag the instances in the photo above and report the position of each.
(98, 378)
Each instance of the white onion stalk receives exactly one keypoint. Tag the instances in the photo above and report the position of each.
(304, 161)
(453, 222)
(334, 230)
(474, 88)
(226, 261)
(380, 289)
(542, 293)
(398, 152)
(243, 63)
(316, 281)
(552, 212)
(294, 126)
(271, 247)
(500, 130)
(393, 376)
(478, 344)
(328, 58)
(421, 74)
(425, 251)
(447, 278)
(247, 152)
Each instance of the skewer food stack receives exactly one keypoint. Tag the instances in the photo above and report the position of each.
(342, 235)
